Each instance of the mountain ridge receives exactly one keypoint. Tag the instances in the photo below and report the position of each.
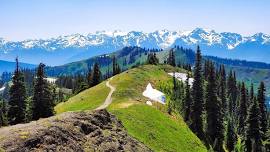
(81, 46)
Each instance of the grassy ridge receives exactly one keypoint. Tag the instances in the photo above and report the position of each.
(88, 99)
(149, 124)
(156, 129)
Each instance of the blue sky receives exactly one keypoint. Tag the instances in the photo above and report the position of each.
(24, 19)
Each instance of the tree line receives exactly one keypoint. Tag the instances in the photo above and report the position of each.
(223, 112)
(220, 110)
(23, 106)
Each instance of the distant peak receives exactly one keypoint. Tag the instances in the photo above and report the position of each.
(203, 30)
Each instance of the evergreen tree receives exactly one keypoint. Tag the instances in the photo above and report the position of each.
(231, 136)
(206, 69)
(171, 58)
(214, 116)
(42, 100)
(3, 113)
(96, 75)
(152, 59)
(232, 94)
(89, 75)
(196, 121)
(242, 110)
(187, 100)
(17, 97)
(263, 110)
(253, 140)
(169, 108)
(80, 83)
(116, 67)
(251, 93)
(267, 141)
(222, 88)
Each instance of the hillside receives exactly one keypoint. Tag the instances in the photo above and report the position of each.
(151, 125)
(132, 56)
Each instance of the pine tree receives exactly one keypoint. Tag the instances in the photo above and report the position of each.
(196, 121)
(96, 75)
(251, 93)
(169, 108)
(231, 136)
(232, 94)
(206, 69)
(222, 88)
(42, 100)
(116, 67)
(152, 59)
(242, 110)
(214, 116)
(3, 114)
(267, 141)
(80, 83)
(171, 58)
(187, 100)
(253, 139)
(263, 110)
(89, 75)
(175, 92)
(17, 98)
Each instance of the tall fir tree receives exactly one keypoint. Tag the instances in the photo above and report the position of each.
(96, 75)
(242, 110)
(231, 136)
(3, 113)
(214, 115)
(222, 88)
(89, 75)
(17, 97)
(171, 58)
(232, 95)
(253, 139)
(80, 83)
(267, 141)
(197, 106)
(152, 59)
(42, 100)
(263, 109)
(116, 68)
(206, 68)
(187, 100)
(251, 94)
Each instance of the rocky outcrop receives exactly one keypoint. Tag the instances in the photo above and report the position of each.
(73, 131)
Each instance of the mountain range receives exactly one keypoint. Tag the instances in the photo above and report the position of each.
(69, 48)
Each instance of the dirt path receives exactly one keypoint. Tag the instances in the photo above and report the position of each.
(108, 100)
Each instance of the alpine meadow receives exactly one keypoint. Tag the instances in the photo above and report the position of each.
(135, 76)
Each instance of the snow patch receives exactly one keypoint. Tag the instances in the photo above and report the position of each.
(51, 80)
(182, 77)
(154, 94)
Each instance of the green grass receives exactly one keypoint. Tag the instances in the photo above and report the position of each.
(149, 124)
(157, 130)
(88, 99)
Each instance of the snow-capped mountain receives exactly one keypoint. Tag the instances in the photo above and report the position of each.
(74, 47)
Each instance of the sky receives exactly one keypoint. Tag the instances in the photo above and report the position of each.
(32, 19)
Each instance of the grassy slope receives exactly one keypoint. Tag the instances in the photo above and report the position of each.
(88, 99)
(148, 124)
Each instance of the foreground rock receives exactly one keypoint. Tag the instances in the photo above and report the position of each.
(80, 131)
